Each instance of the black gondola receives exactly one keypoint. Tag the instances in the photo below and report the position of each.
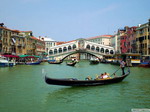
(71, 63)
(75, 82)
(54, 62)
(94, 61)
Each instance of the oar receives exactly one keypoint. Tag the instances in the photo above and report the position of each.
(114, 72)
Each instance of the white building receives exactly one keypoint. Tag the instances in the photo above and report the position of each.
(48, 43)
(102, 39)
(114, 43)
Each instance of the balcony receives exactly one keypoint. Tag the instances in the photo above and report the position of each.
(14, 35)
(19, 45)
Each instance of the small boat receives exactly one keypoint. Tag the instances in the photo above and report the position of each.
(76, 82)
(5, 63)
(71, 63)
(94, 61)
(145, 64)
(33, 63)
(54, 62)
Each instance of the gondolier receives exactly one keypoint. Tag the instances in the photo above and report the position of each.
(122, 65)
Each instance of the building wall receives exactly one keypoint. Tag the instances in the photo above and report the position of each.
(143, 39)
(102, 39)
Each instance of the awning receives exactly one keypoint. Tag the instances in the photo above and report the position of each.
(45, 53)
(36, 56)
(11, 56)
(23, 56)
(29, 56)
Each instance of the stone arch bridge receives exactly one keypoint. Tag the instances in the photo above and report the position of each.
(80, 46)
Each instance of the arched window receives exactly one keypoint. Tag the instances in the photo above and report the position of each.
(88, 46)
(69, 48)
(74, 46)
(50, 52)
(55, 51)
(111, 52)
(97, 49)
(60, 50)
(106, 51)
(92, 48)
(102, 50)
(64, 49)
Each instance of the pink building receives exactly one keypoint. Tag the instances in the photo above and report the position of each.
(128, 40)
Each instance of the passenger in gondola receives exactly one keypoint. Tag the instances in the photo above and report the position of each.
(88, 78)
(101, 76)
(105, 76)
(106, 73)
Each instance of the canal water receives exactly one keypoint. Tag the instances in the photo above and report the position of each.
(22, 89)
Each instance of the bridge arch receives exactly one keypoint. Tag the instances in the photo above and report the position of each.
(60, 50)
(51, 52)
(79, 52)
(102, 50)
(65, 49)
(97, 49)
(74, 46)
(93, 48)
(55, 51)
(111, 52)
(88, 47)
(106, 51)
(69, 48)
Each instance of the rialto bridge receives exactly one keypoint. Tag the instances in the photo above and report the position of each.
(80, 46)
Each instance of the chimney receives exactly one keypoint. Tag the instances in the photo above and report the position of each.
(2, 24)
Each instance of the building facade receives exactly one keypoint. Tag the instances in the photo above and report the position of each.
(102, 39)
(19, 42)
(48, 43)
(143, 38)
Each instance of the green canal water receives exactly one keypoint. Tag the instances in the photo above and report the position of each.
(22, 89)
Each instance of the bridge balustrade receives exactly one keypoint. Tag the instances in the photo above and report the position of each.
(78, 46)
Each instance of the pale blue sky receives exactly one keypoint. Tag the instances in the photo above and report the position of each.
(65, 20)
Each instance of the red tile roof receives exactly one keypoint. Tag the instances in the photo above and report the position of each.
(99, 37)
(37, 39)
(13, 30)
(59, 43)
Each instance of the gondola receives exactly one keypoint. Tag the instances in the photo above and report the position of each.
(71, 63)
(76, 82)
(94, 61)
(54, 62)
(33, 63)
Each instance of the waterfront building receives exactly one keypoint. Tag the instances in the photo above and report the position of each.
(131, 39)
(143, 38)
(102, 39)
(114, 43)
(119, 35)
(19, 42)
(48, 43)
(30, 45)
(38, 46)
(8, 40)
(125, 40)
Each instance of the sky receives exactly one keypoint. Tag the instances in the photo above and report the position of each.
(65, 20)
